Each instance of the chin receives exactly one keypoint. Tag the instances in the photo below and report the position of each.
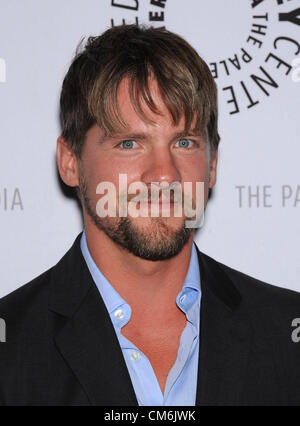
(157, 224)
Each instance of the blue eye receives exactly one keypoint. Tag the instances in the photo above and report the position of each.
(127, 144)
(184, 143)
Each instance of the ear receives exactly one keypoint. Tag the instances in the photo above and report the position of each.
(67, 163)
(213, 170)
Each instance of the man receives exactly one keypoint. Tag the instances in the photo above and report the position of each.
(134, 313)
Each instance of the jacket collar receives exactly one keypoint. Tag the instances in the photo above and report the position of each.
(69, 288)
(225, 336)
(100, 367)
(82, 340)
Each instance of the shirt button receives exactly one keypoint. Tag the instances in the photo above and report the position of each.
(182, 299)
(135, 356)
(119, 314)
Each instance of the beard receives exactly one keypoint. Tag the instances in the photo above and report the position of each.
(155, 241)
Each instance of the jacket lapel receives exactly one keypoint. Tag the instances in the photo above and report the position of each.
(87, 340)
(225, 337)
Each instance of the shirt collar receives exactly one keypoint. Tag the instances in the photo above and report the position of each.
(192, 279)
(112, 298)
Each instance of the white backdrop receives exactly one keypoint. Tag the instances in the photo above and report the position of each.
(252, 220)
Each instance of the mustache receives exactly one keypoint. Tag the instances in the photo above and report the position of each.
(165, 195)
(148, 197)
(155, 193)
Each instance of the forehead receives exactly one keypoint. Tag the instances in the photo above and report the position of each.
(162, 118)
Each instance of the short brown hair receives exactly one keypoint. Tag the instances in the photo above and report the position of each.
(89, 91)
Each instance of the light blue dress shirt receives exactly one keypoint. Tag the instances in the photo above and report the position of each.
(181, 384)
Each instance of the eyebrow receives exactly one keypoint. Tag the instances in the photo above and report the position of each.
(145, 136)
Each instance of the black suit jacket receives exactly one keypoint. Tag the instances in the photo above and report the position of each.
(61, 347)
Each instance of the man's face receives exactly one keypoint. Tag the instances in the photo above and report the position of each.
(157, 152)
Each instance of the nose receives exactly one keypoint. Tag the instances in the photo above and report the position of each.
(161, 167)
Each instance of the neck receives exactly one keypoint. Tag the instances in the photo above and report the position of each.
(134, 278)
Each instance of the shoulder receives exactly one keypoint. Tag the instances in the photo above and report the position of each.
(32, 298)
(24, 309)
(264, 302)
(259, 290)
(251, 286)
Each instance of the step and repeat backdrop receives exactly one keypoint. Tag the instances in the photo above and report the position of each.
(253, 50)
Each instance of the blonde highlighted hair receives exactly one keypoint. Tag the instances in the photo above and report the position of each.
(90, 87)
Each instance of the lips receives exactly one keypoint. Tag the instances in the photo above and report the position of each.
(156, 202)
(160, 202)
